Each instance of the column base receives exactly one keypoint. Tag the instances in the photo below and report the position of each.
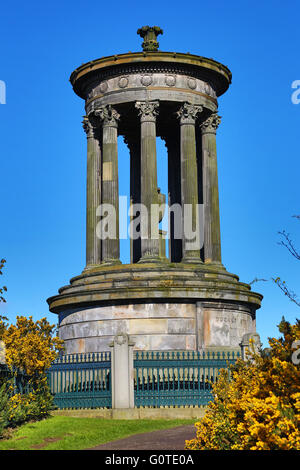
(190, 260)
(214, 264)
(110, 262)
(151, 259)
(88, 267)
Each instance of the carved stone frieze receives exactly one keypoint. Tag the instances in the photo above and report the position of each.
(161, 77)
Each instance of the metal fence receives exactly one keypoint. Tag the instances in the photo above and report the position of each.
(19, 379)
(161, 378)
(81, 380)
(177, 378)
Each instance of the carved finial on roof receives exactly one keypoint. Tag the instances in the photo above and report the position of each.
(149, 34)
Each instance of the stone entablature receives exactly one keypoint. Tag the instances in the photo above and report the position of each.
(134, 81)
(96, 71)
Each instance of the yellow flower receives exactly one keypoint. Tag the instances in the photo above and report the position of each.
(259, 409)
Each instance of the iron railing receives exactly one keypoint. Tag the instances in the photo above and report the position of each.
(81, 380)
(161, 378)
(177, 378)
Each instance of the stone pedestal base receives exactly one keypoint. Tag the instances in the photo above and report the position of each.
(156, 326)
(169, 307)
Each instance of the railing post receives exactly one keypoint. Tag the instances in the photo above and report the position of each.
(122, 372)
(250, 344)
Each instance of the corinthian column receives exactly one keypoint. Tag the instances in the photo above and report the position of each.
(149, 196)
(110, 184)
(212, 237)
(189, 184)
(93, 193)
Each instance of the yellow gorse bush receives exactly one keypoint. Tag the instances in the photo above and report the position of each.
(30, 346)
(258, 407)
(26, 407)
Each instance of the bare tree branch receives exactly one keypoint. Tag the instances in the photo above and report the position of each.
(4, 288)
(289, 245)
(287, 242)
(257, 280)
(289, 293)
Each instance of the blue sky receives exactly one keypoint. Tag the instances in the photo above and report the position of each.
(43, 146)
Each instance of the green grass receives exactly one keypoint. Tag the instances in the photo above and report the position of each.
(80, 433)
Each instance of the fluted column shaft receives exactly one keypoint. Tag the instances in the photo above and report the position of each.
(212, 236)
(174, 197)
(110, 184)
(189, 184)
(149, 196)
(93, 193)
(133, 142)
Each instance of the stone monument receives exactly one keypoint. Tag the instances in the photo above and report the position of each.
(183, 300)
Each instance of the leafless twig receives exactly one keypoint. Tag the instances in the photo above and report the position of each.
(289, 293)
(257, 280)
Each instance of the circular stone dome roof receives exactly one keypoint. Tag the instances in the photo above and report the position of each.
(209, 70)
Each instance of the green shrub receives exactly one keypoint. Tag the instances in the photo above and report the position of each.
(4, 400)
(19, 408)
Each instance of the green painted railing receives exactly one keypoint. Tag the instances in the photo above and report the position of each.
(20, 380)
(161, 378)
(81, 380)
(177, 378)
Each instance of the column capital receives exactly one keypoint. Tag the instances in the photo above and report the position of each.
(108, 115)
(148, 110)
(188, 113)
(211, 124)
(88, 127)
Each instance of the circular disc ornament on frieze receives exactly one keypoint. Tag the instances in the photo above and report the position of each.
(191, 83)
(170, 80)
(146, 80)
(207, 89)
(103, 87)
(123, 82)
